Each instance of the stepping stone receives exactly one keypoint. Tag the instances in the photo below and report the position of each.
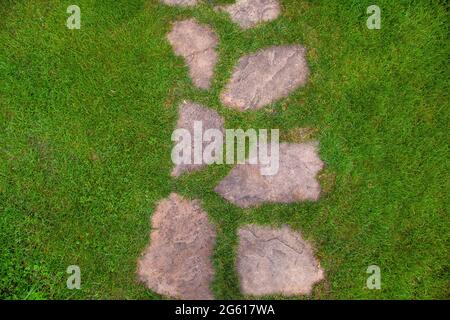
(276, 261)
(295, 181)
(269, 75)
(178, 261)
(196, 43)
(249, 13)
(189, 113)
(182, 3)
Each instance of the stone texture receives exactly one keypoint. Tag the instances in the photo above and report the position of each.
(295, 181)
(182, 3)
(189, 113)
(178, 261)
(196, 43)
(249, 13)
(267, 76)
(275, 261)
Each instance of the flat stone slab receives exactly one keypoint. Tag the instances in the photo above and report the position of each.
(249, 13)
(295, 181)
(276, 261)
(265, 77)
(196, 43)
(178, 261)
(182, 3)
(189, 113)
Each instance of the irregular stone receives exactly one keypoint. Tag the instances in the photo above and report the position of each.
(196, 43)
(276, 261)
(249, 13)
(267, 76)
(295, 181)
(189, 113)
(182, 3)
(178, 261)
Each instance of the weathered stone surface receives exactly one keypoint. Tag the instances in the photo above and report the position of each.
(196, 43)
(182, 3)
(249, 13)
(265, 77)
(295, 181)
(189, 113)
(178, 261)
(276, 261)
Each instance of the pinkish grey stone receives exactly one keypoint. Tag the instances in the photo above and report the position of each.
(196, 43)
(276, 261)
(182, 3)
(249, 13)
(178, 261)
(265, 77)
(295, 181)
(189, 113)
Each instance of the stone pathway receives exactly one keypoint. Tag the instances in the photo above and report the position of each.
(189, 113)
(196, 43)
(262, 78)
(178, 261)
(275, 261)
(182, 3)
(249, 13)
(295, 181)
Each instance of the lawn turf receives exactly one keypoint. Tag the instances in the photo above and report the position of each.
(86, 118)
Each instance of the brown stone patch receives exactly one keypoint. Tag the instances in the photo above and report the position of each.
(178, 261)
(265, 77)
(295, 181)
(189, 113)
(249, 13)
(276, 261)
(196, 43)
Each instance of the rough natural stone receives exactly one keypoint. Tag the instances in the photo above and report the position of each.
(276, 261)
(178, 261)
(196, 43)
(295, 181)
(249, 13)
(265, 77)
(182, 3)
(189, 113)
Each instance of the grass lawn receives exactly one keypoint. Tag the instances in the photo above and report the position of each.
(86, 118)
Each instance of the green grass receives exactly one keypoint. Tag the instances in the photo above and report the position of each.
(86, 118)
